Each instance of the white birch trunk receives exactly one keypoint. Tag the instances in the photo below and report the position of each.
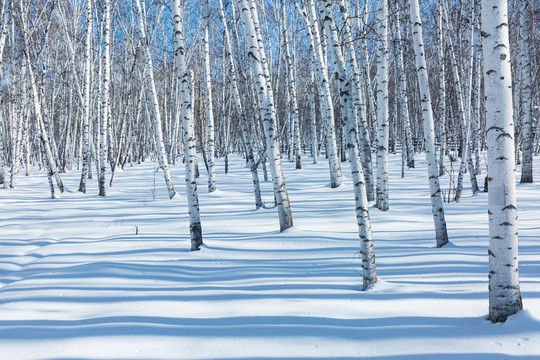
(209, 106)
(442, 86)
(402, 89)
(292, 92)
(527, 134)
(504, 292)
(369, 271)
(429, 133)
(49, 158)
(162, 154)
(185, 82)
(381, 198)
(259, 66)
(240, 108)
(105, 94)
(86, 112)
(318, 65)
(313, 117)
(359, 100)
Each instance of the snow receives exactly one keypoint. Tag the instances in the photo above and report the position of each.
(87, 277)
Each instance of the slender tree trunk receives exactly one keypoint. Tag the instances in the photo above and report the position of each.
(185, 80)
(105, 99)
(319, 67)
(402, 89)
(257, 57)
(359, 100)
(240, 108)
(49, 158)
(429, 133)
(442, 85)
(162, 154)
(381, 200)
(292, 92)
(369, 271)
(86, 114)
(527, 134)
(209, 106)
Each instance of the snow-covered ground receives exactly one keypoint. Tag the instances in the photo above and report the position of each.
(86, 277)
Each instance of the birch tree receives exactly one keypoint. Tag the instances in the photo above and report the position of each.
(163, 163)
(318, 64)
(504, 292)
(429, 133)
(259, 68)
(362, 214)
(209, 106)
(292, 92)
(105, 98)
(86, 112)
(52, 170)
(381, 199)
(527, 134)
(239, 107)
(184, 80)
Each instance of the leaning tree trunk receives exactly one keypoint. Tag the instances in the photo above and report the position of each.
(527, 134)
(49, 158)
(504, 292)
(257, 59)
(185, 82)
(429, 133)
(369, 271)
(162, 154)
(319, 68)
(381, 198)
(240, 108)
(359, 102)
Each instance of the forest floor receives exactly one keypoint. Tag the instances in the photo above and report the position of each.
(87, 277)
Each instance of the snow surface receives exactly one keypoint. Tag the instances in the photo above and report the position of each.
(77, 282)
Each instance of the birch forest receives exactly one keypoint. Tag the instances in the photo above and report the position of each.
(92, 88)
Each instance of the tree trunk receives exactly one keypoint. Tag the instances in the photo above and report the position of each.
(240, 108)
(429, 133)
(527, 134)
(185, 82)
(504, 293)
(381, 199)
(162, 154)
(256, 55)
(209, 106)
(369, 271)
(86, 115)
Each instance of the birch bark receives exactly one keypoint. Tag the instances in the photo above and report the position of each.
(369, 271)
(162, 154)
(105, 95)
(527, 134)
(209, 106)
(259, 66)
(240, 108)
(320, 69)
(429, 133)
(86, 112)
(504, 292)
(381, 198)
(185, 82)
